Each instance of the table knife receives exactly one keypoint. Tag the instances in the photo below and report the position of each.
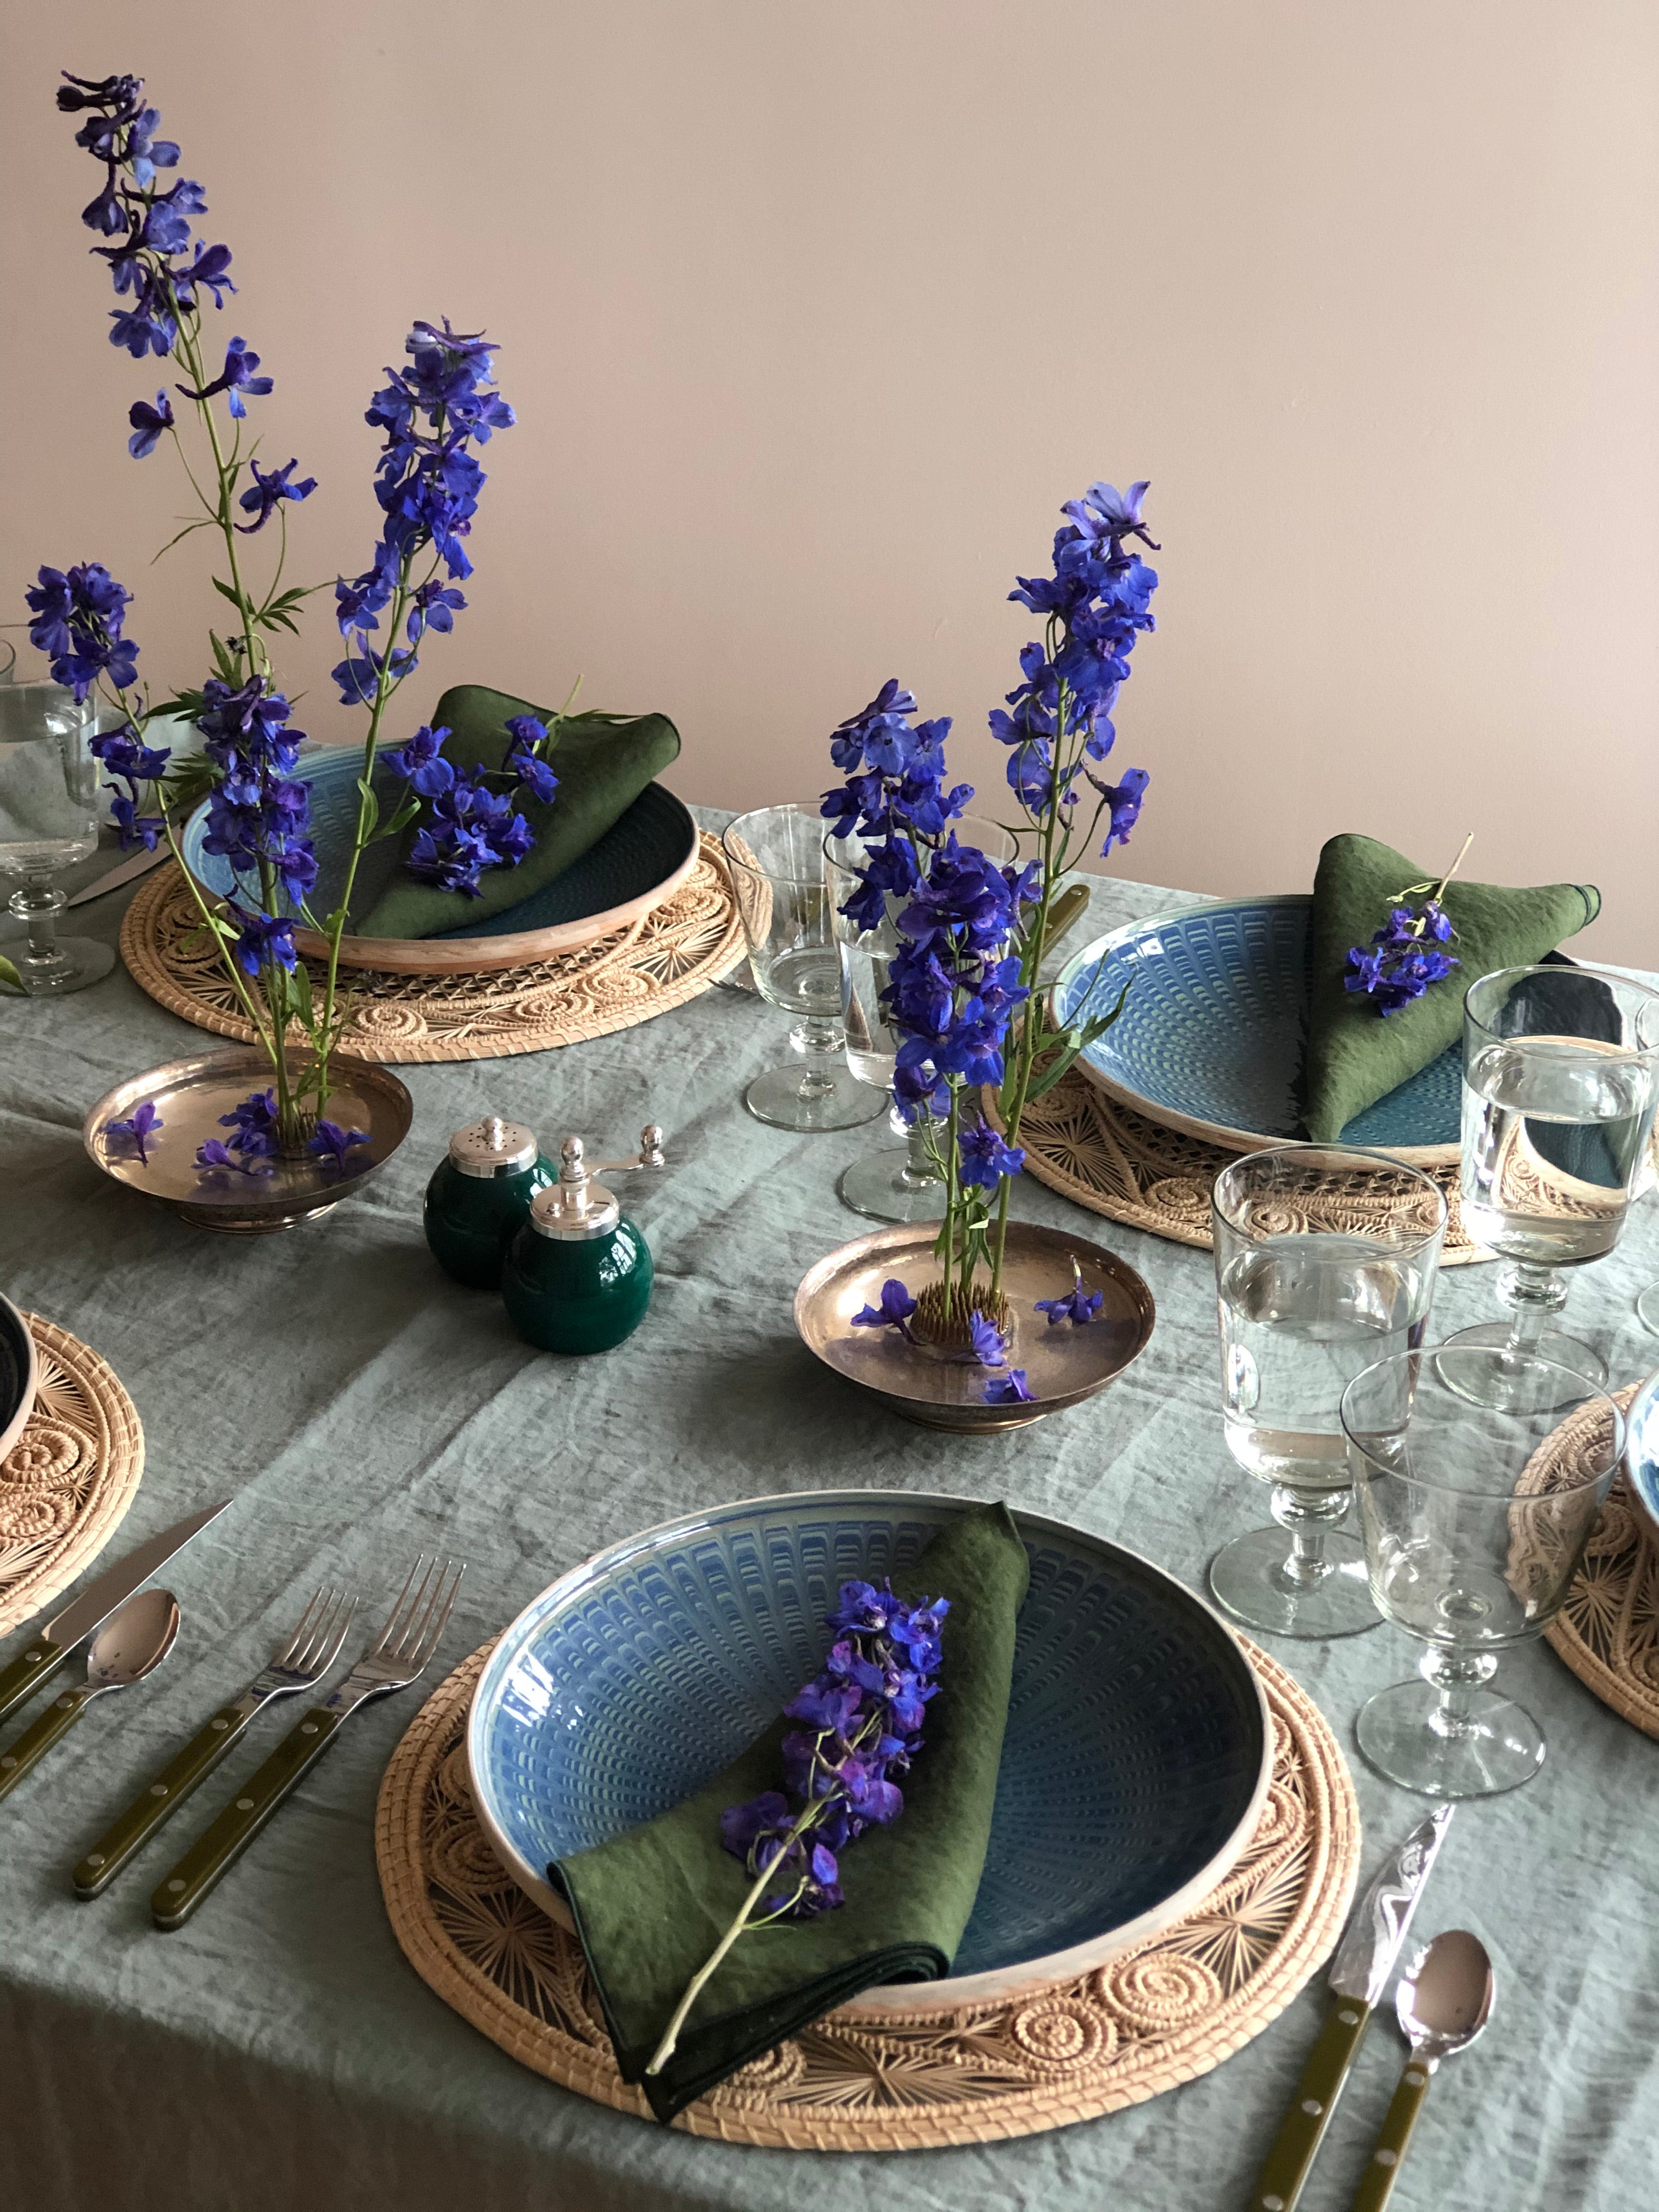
(1358, 1975)
(52, 1645)
(125, 872)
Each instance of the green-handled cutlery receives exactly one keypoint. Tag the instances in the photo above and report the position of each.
(408, 1639)
(302, 1661)
(134, 1641)
(1359, 1974)
(1442, 2002)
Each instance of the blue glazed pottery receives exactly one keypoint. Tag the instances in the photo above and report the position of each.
(18, 1375)
(1212, 1037)
(1642, 1454)
(1137, 1755)
(638, 851)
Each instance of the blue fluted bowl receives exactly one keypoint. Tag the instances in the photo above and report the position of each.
(1641, 1453)
(1211, 1039)
(1137, 1752)
(644, 856)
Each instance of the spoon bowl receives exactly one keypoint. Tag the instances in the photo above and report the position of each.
(132, 1643)
(1444, 1998)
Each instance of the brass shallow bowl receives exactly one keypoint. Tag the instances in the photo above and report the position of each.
(190, 1096)
(1063, 1365)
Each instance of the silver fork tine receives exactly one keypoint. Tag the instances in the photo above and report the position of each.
(392, 1618)
(435, 1628)
(330, 1632)
(285, 1658)
(316, 1625)
(414, 1628)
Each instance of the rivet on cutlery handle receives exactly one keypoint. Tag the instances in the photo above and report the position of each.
(38, 1737)
(223, 1841)
(1398, 2122)
(23, 1677)
(1303, 2129)
(133, 1828)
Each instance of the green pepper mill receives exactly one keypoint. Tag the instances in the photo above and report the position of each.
(479, 1198)
(577, 1274)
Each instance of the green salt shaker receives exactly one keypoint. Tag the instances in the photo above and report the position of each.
(577, 1276)
(479, 1197)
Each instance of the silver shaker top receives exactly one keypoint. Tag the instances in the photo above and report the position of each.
(578, 1207)
(493, 1147)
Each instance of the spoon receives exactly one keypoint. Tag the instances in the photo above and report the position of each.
(1442, 2002)
(137, 1637)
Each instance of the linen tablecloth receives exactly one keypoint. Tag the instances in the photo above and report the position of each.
(278, 2052)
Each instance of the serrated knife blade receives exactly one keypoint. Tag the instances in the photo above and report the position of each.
(1358, 1975)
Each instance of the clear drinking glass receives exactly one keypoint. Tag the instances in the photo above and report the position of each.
(899, 1183)
(8, 661)
(1560, 1080)
(49, 811)
(1325, 1259)
(1472, 1533)
(777, 859)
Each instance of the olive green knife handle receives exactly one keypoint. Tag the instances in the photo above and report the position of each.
(38, 1737)
(223, 1841)
(134, 1828)
(1303, 2129)
(1401, 2118)
(24, 1676)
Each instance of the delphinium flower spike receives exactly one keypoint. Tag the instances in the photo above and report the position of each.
(1406, 956)
(859, 1722)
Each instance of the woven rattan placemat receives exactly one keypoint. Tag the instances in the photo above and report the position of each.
(69, 1478)
(676, 951)
(1115, 1162)
(877, 2080)
(1608, 1630)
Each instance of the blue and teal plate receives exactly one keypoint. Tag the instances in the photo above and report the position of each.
(1212, 1038)
(1137, 1757)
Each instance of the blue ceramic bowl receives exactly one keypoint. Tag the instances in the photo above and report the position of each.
(1137, 1752)
(20, 1373)
(1641, 1453)
(639, 859)
(1212, 1037)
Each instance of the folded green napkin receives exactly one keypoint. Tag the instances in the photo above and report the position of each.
(651, 1905)
(602, 762)
(1356, 1056)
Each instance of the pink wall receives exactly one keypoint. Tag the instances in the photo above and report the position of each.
(812, 317)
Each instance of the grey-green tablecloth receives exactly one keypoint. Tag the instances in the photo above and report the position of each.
(279, 2055)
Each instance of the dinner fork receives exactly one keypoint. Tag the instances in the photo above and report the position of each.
(303, 1660)
(408, 1639)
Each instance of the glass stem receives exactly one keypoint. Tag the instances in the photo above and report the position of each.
(1306, 1517)
(38, 904)
(917, 1173)
(1534, 1296)
(817, 1037)
(1456, 1676)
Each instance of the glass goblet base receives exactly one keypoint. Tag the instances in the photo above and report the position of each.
(1252, 1579)
(814, 1093)
(1514, 1386)
(1647, 1307)
(72, 964)
(1480, 1746)
(883, 1187)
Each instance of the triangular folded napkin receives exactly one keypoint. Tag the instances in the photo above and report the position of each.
(652, 1904)
(602, 762)
(1355, 1055)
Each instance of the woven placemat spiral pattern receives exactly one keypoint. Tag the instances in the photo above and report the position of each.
(67, 1481)
(1608, 1630)
(1115, 1162)
(871, 2080)
(674, 952)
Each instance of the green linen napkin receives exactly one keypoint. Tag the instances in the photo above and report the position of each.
(1355, 1056)
(602, 762)
(651, 1905)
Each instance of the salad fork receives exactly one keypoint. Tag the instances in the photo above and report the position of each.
(417, 1620)
(302, 1660)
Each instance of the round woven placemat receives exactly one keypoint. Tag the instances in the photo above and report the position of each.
(1115, 1162)
(1608, 1630)
(869, 2080)
(675, 952)
(67, 1480)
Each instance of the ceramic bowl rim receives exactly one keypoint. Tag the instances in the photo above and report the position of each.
(18, 1421)
(455, 956)
(1643, 1412)
(1220, 1134)
(911, 1997)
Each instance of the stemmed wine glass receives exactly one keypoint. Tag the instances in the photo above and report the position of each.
(775, 854)
(1560, 1081)
(898, 1183)
(48, 821)
(1474, 1531)
(1325, 1256)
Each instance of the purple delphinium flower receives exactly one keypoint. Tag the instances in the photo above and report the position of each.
(858, 1724)
(266, 940)
(137, 767)
(140, 1124)
(258, 814)
(77, 619)
(894, 1311)
(215, 1154)
(267, 492)
(990, 1345)
(1076, 1305)
(236, 378)
(1404, 957)
(985, 1158)
(147, 424)
(253, 1126)
(332, 1143)
(1009, 1390)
